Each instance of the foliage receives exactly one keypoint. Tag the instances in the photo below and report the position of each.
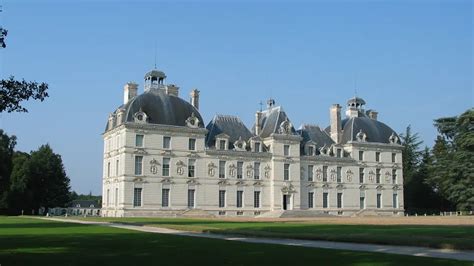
(13, 92)
(75, 196)
(452, 170)
(7, 145)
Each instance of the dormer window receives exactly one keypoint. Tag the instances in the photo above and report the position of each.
(286, 150)
(257, 147)
(222, 144)
(339, 153)
(222, 141)
(310, 150)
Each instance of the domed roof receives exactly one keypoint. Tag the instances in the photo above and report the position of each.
(155, 73)
(355, 101)
(161, 108)
(374, 130)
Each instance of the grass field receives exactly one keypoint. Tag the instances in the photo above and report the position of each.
(27, 241)
(435, 236)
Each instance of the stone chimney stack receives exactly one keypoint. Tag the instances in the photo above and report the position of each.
(172, 89)
(195, 98)
(258, 126)
(372, 114)
(335, 116)
(130, 90)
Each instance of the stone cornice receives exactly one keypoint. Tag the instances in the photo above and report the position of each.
(327, 159)
(375, 146)
(165, 128)
(239, 154)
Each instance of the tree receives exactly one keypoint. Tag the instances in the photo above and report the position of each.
(20, 193)
(452, 170)
(13, 92)
(7, 145)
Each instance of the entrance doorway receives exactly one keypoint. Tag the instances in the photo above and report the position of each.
(287, 202)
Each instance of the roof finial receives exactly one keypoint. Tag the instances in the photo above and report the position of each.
(261, 105)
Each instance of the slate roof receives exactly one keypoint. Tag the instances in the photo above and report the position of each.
(85, 204)
(271, 121)
(316, 134)
(229, 125)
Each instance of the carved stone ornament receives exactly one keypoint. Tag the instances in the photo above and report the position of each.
(361, 136)
(211, 169)
(349, 175)
(311, 185)
(192, 121)
(324, 150)
(285, 127)
(288, 189)
(393, 139)
(167, 180)
(180, 167)
(223, 182)
(154, 166)
(140, 117)
(396, 187)
(258, 183)
(267, 171)
(388, 176)
(232, 170)
(138, 179)
(371, 176)
(333, 174)
(240, 183)
(319, 174)
(192, 181)
(249, 171)
(240, 145)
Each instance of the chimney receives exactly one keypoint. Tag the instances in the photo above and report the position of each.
(335, 116)
(129, 91)
(172, 90)
(195, 98)
(372, 114)
(258, 126)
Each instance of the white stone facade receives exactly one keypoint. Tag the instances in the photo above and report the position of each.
(148, 171)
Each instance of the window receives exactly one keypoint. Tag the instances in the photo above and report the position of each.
(108, 169)
(240, 195)
(395, 201)
(379, 200)
(116, 167)
(222, 144)
(394, 157)
(221, 198)
(192, 144)
(166, 167)
(325, 173)
(191, 198)
(339, 153)
(362, 202)
(377, 176)
(361, 155)
(286, 172)
(256, 170)
(310, 150)
(139, 141)
(116, 196)
(339, 174)
(166, 142)
(108, 197)
(325, 200)
(286, 150)
(361, 175)
(394, 176)
(240, 165)
(310, 172)
(311, 200)
(339, 200)
(191, 167)
(137, 197)
(377, 156)
(257, 146)
(165, 197)
(138, 165)
(221, 169)
(256, 199)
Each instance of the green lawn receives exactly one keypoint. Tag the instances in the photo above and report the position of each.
(435, 236)
(27, 241)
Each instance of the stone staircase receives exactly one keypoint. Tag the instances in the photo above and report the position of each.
(196, 213)
(294, 214)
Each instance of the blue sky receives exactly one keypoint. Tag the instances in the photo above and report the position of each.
(410, 60)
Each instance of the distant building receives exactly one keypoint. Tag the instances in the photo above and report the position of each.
(76, 207)
(159, 159)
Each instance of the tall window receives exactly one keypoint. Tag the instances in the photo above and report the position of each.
(191, 199)
(286, 172)
(339, 174)
(395, 200)
(379, 200)
(240, 165)
(166, 167)
(394, 176)
(166, 142)
(339, 200)
(108, 197)
(339, 153)
(256, 199)
(137, 197)
(165, 197)
(311, 200)
(256, 170)
(362, 202)
(377, 176)
(394, 157)
(325, 200)
(192, 144)
(257, 146)
(221, 169)
(310, 150)
(361, 175)
(116, 196)
(325, 173)
(286, 150)
(222, 145)
(377, 156)
(108, 169)
(221, 198)
(310, 172)
(361, 155)
(116, 167)
(138, 165)
(191, 167)
(139, 140)
(240, 195)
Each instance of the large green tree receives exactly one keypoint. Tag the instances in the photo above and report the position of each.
(452, 169)
(7, 145)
